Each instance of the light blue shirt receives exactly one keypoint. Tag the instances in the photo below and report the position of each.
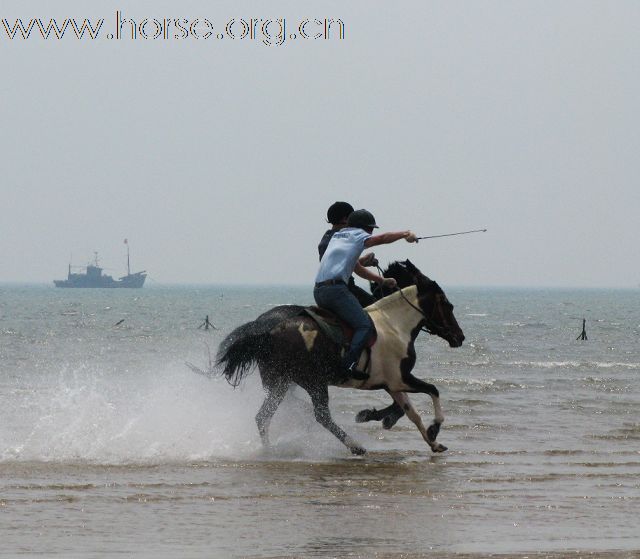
(342, 254)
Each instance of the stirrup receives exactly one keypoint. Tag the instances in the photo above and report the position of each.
(356, 374)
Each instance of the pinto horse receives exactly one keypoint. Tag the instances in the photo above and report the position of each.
(400, 271)
(290, 348)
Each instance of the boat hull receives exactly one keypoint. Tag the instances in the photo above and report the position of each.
(132, 281)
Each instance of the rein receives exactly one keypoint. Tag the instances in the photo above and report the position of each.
(428, 319)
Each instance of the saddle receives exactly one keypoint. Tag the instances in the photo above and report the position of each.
(336, 329)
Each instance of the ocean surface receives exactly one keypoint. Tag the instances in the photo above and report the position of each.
(111, 446)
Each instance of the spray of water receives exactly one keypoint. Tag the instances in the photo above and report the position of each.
(160, 414)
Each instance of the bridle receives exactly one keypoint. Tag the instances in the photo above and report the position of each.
(428, 326)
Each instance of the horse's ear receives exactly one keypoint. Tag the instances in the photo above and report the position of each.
(419, 277)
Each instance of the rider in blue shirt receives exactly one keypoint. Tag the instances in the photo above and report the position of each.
(337, 265)
(337, 215)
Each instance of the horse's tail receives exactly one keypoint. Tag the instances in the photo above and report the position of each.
(240, 351)
(250, 343)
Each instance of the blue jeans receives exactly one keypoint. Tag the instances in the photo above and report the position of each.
(339, 300)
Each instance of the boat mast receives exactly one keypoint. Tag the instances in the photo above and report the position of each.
(128, 265)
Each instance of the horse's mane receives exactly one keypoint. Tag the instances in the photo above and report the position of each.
(405, 273)
(390, 299)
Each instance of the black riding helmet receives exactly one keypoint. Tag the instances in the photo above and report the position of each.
(362, 219)
(338, 212)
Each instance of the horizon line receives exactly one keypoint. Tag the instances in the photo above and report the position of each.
(157, 284)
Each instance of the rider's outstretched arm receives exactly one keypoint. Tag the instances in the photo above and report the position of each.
(387, 238)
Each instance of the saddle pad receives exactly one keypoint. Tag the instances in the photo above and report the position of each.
(333, 327)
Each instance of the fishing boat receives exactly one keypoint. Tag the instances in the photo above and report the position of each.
(93, 276)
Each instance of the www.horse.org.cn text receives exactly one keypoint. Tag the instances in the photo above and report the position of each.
(267, 31)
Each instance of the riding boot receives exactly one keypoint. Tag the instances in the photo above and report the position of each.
(351, 371)
(351, 358)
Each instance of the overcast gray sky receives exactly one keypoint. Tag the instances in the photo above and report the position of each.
(217, 159)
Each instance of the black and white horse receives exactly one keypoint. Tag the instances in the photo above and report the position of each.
(289, 348)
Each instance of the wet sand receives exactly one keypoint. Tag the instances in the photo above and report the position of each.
(569, 554)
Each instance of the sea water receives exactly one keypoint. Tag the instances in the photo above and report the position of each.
(111, 445)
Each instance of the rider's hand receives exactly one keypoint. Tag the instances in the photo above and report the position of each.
(390, 283)
(411, 237)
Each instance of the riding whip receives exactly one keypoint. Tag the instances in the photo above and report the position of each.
(452, 234)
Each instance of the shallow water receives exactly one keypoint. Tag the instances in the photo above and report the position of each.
(110, 445)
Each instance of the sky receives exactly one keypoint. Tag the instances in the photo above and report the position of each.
(217, 158)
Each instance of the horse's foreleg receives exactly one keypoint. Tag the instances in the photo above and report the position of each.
(418, 385)
(320, 399)
(389, 415)
(430, 389)
(275, 395)
(430, 434)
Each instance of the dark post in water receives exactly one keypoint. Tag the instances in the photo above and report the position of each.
(583, 335)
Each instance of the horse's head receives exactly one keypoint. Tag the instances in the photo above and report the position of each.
(399, 272)
(436, 308)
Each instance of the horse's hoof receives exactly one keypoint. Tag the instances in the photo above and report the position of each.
(438, 448)
(389, 421)
(358, 450)
(364, 416)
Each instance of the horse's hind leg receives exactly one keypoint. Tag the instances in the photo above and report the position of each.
(275, 395)
(320, 399)
(430, 434)
(389, 415)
